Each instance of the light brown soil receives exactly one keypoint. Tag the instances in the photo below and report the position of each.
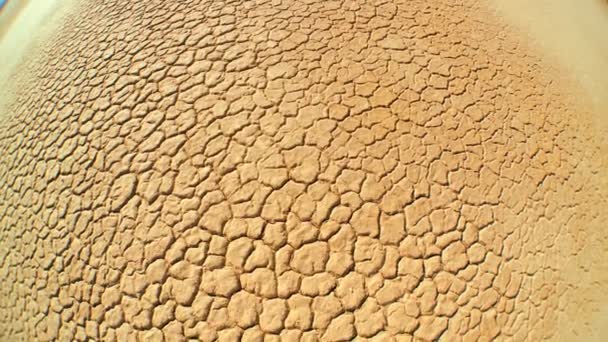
(8, 13)
(25, 27)
(297, 170)
(571, 34)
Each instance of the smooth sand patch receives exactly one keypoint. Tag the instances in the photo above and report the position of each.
(572, 33)
(9, 11)
(23, 24)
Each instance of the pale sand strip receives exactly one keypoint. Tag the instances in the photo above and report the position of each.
(24, 24)
(573, 34)
(9, 13)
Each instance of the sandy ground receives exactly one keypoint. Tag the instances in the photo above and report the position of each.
(193, 170)
(572, 33)
(8, 14)
(23, 25)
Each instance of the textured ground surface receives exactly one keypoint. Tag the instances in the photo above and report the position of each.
(578, 42)
(284, 170)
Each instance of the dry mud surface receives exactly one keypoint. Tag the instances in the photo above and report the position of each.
(297, 170)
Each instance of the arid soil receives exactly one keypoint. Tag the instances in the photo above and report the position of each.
(297, 170)
(573, 35)
(25, 25)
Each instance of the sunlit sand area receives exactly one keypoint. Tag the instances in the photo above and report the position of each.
(23, 24)
(303, 170)
(573, 34)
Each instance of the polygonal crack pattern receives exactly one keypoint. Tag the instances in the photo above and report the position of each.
(293, 170)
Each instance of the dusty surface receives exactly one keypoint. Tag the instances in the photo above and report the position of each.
(8, 13)
(24, 26)
(572, 34)
(288, 170)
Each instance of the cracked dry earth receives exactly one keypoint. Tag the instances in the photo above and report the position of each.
(296, 170)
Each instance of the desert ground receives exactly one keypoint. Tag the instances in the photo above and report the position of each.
(306, 170)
